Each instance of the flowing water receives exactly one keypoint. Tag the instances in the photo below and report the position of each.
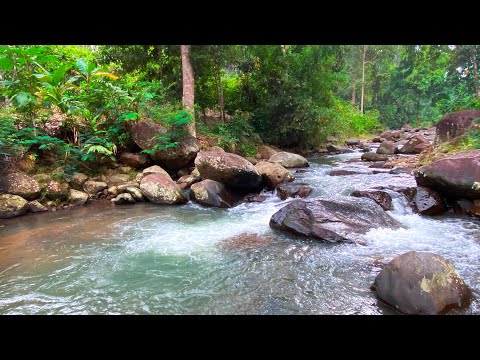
(150, 259)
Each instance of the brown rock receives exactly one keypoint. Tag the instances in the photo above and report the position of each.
(382, 198)
(137, 161)
(160, 189)
(289, 160)
(266, 152)
(211, 193)
(454, 124)
(273, 174)
(387, 148)
(415, 145)
(12, 205)
(19, 184)
(285, 191)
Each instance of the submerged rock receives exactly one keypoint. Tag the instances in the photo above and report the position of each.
(343, 172)
(422, 283)
(12, 205)
(246, 242)
(344, 219)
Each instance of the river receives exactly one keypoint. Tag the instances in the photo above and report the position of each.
(151, 259)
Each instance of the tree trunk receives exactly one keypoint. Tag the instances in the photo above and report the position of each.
(475, 71)
(363, 78)
(160, 61)
(188, 86)
(220, 94)
(354, 89)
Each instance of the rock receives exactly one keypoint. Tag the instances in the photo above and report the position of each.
(188, 180)
(183, 172)
(411, 146)
(333, 139)
(113, 190)
(337, 149)
(371, 156)
(137, 161)
(266, 152)
(135, 192)
(382, 198)
(246, 242)
(417, 149)
(155, 169)
(124, 169)
(258, 156)
(42, 180)
(428, 202)
(161, 189)
(123, 188)
(118, 179)
(422, 283)
(285, 191)
(394, 135)
(216, 149)
(252, 160)
(377, 165)
(457, 175)
(57, 191)
(12, 205)
(454, 124)
(77, 197)
(19, 184)
(139, 178)
(78, 179)
(144, 131)
(229, 169)
(122, 199)
(273, 174)
(474, 211)
(195, 173)
(352, 142)
(462, 206)
(398, 170)
(377, 139)
(387, 148)
(93, 187)
(35, 207)
(256, 198)
(178, 156)
(344, 219)
(211, 193)
(406, 128)
(289, 160)
(342, 172)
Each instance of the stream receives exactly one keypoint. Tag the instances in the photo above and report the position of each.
(188, 259)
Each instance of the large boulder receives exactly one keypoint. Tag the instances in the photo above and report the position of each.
(455, 176)
(285, 191)
(381, 197)
(12, 205)
(411, 146)
(229, 169)
(422, 283)
(57, 191)
(371, 156)
(179, 156)
(266, 152)
(19, 184)
(77, 197)
(343, 219)
(211, 193)
(454, 124)
(387, 148)
(337, 149)
(161, 189)
(136, 161)
(77, 181)
(144, 132)
(273, 174)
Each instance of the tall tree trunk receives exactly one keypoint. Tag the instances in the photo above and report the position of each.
(220, 94)
(363, 78)
(188, 86)
(354, 91)
(475, 71)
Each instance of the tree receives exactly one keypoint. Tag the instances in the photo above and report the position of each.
(188, 97)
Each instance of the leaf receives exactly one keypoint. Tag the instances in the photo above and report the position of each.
(58, 75)
(110, 75)
(82, 66)
(6, 63)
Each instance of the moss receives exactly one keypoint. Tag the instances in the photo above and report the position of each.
(440, 280)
